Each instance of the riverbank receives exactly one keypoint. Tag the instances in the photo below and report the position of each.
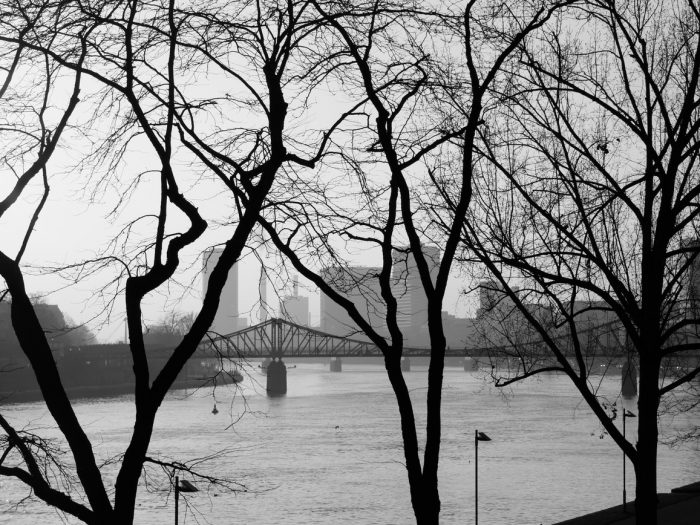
(680, 507)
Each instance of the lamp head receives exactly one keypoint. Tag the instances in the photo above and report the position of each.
(480, 436)
(186, 486)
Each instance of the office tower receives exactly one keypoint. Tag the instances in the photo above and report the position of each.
(692, 275)
(262, 291)
(227, 319)
(361, 286)
(488, 296)
(412, 303)
(295, 307)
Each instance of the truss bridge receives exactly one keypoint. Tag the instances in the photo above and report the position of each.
(277, 338)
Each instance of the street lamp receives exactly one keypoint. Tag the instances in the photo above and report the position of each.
(181, 486)
(478, 436)
(625, 414)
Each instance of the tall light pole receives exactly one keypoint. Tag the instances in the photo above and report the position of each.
(181, 486)
(625, 414)
(478, 436)
(177, 498)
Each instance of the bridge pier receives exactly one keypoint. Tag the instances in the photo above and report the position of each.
(405, 364)
(276, 378)
(470, 364)
(336, 364)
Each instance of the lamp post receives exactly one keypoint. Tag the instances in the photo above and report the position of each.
(478, 436)
(181, 486)
(625, 414)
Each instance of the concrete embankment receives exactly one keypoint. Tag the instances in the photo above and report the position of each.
(680, 507)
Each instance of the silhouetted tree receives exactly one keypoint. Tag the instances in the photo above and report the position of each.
(169, 329)
(203, 87)
(417, 106)
(586, 205)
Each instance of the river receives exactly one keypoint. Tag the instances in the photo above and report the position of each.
(329, 452)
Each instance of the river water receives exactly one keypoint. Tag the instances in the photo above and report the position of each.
(329, 452)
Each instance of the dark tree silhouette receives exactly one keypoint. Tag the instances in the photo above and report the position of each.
(30, 134)
(586, 206)
(416, 107)
(156, 76)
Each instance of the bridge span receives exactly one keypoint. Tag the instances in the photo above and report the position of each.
(276, 338)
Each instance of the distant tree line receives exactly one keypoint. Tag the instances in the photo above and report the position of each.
(60, 330)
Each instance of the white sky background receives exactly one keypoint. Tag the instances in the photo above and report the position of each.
(76, 224)
(71, 229)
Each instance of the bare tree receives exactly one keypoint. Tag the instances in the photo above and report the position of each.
(416, 108)
(155, 75)
(30, 134)
(586, 205)
(169, 328)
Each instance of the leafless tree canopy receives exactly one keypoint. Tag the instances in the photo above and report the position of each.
(586, 201)
(552, 143)
(204, 89)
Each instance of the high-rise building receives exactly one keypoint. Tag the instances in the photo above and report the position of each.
(361, 286)
(494, 300)
(488, 296)
(295, 307)
(692, 279)
(262, 291)
(227, 319)
(412, 303)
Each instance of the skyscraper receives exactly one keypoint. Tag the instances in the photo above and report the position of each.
(361, 286)
(295, 307)
(227, 319)
(692, 275)
(262, 291)
(412, 303)
(488, 296)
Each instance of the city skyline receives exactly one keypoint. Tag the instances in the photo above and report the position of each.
(177, 171)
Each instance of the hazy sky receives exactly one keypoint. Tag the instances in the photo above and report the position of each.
(79, 221)
(76, 225)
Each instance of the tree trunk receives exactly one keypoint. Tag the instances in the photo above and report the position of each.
(110, 518)
(427, 508)
(425, 499)
(126, 486)
(648, 433)
(431, 457)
